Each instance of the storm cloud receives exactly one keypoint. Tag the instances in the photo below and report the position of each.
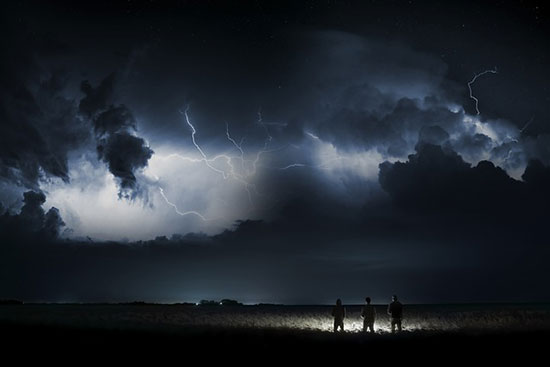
(32, 221)
(39, 123)
(436, 179)
(115, 129)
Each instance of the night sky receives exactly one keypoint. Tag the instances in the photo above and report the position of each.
(285, 152)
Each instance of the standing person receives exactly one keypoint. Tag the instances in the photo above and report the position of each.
(339, 314)
(395, 310)
(368, 313)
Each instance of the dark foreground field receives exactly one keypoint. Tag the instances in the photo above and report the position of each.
(136, 333)
(221, 344)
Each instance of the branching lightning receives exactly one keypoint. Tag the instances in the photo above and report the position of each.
(471, 82)
(248, 167)
(193, 132)
(267, 141)
(238, 146)
(238, 167)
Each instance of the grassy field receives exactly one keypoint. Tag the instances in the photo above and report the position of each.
(485, 317)
(496, 331)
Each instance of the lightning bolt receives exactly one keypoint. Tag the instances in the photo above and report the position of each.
(228, 159)
(471, 82)
(191, 212)
(265, 150)
(243, 178)
(316, 166)
(248, 167)
(267, 141)
(233, 173)
(293, 165)
(205, 158)
(238, 146)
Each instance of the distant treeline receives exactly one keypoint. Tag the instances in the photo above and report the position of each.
(204, 302)
(10, 302)
(223, 302)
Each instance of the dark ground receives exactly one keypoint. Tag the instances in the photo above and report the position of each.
(263, 346)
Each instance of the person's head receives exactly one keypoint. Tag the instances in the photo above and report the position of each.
(338, 302)
(367, 300)
(394, 298)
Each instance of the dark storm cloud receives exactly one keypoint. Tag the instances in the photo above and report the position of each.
(537, 179)
(437, 183)
(115, 129)
(39, 129)
(53, 223)
(433, 135)
(113, 120)
(32, 211)
(395, 132)
(289, 262)
(96, 99)
(361, 92)
(38, 123)
(124, 154)
(435, 179)
(539, 147)
(32, 221)
(473, 146)
(337, 80)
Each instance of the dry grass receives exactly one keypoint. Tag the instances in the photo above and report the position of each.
(427, 318)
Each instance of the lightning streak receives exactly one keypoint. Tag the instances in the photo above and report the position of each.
(232, 173)
(267, 141)
(248, 167)
(238, 146)
(191, 212)
(471, 82)
(323, 165)
(205, 158)
(293, 165)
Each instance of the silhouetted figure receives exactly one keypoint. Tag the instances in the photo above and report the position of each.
(395, 310)
(339, 314)
(368, 313)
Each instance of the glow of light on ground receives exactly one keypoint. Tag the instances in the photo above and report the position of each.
(351, 325)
